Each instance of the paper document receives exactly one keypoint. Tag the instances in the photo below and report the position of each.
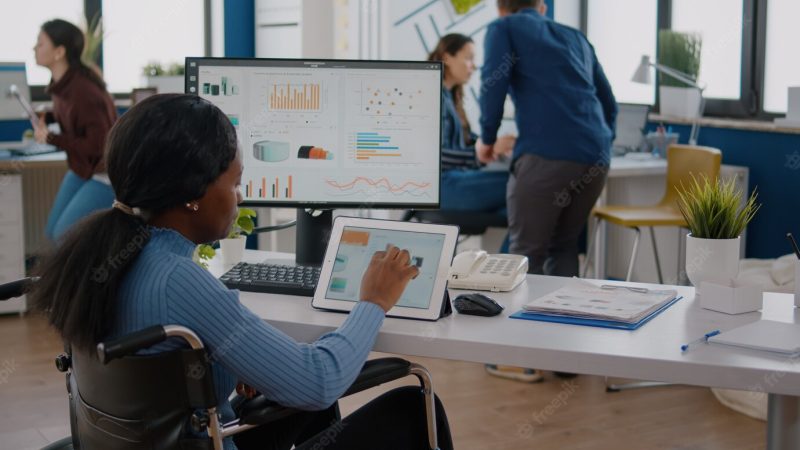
(619, 303)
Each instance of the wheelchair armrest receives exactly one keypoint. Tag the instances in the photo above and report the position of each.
(130, 343)
(378, 371)
(259, 410)
(15, 288)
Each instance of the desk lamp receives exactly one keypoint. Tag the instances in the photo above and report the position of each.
(643, 76)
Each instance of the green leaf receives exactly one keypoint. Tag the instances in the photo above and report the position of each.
(712, 210)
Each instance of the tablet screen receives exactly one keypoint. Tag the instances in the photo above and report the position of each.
(355, 251)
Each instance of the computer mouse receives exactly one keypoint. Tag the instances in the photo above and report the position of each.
(477, 305)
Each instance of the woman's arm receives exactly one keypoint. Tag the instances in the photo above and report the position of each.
(306, 376)
(91, 125)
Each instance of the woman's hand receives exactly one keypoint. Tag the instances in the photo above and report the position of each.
(40, 132)
(386, 277)
(504, 146)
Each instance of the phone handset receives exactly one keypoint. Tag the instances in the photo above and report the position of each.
(466, 262)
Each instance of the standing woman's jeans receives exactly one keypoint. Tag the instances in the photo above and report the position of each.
(76, 199)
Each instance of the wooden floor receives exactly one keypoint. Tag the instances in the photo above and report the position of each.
(484, 412)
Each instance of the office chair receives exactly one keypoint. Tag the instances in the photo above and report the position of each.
(683, 162)
(125, 401)
(470, 223)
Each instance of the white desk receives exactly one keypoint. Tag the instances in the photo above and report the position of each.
(650, 353)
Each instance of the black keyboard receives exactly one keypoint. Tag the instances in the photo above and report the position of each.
(273, 278)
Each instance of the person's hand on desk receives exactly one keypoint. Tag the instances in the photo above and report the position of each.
(485, 152)
(40, 132)
(386, 277)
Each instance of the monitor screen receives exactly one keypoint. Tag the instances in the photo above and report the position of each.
(631, 121)
(12, 73)
(330, 133)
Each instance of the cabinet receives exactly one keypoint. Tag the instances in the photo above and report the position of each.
(12, 239)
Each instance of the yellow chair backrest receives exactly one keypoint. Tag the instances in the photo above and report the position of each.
(683, 161)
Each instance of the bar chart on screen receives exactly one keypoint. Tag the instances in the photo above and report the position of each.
(270, 188)
(373, 146)
(302, 97)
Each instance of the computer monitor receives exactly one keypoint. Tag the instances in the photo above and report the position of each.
(323, 134)
(13, 74)
(631, 121)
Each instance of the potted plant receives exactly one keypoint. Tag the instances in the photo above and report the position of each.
(170, 79)
(92, 40)
(232, 246)
(679, 51)
(716, 220)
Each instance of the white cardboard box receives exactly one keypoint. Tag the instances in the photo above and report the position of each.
(730, 297)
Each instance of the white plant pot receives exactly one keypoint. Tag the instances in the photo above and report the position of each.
(232, 250)
(679, 101)
(711, 259)
(167, 84)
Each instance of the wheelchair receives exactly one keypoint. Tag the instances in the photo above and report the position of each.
(121, 400)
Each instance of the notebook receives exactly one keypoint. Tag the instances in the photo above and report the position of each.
(618, 303)
(608, 306)
(767, 335)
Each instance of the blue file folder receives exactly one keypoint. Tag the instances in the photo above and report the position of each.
(592, 322)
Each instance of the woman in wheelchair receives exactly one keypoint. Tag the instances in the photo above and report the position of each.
(176, 172)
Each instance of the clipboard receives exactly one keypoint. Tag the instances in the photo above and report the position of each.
(522, 314)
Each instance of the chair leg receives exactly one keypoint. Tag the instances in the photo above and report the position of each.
(655, 253)
(633, 254)
(426, 381)
(590, 243)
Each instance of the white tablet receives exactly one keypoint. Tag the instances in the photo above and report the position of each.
(350, 249)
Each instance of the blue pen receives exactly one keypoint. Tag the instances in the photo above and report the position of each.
(705, 338)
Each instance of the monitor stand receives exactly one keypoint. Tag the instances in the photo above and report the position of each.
(313, 232)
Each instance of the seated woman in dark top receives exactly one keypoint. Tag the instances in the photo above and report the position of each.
(464, 186)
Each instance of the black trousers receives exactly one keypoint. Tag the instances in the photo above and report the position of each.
(395, 420)
(549, 202)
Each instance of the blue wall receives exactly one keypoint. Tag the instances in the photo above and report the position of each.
(774, 163)
(240, 28)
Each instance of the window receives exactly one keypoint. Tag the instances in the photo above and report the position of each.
(137, 33)
(620, 48)
(567, 12)
(19, 27)
(781, 65)
(719, 24)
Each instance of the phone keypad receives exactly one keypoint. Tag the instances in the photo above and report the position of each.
(498, 265)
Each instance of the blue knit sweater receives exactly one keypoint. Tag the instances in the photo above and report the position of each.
(164, 286)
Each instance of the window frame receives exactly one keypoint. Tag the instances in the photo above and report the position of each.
(750, 102)
(93, 8)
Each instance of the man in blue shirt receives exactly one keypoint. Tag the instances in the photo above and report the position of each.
(565, 114)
